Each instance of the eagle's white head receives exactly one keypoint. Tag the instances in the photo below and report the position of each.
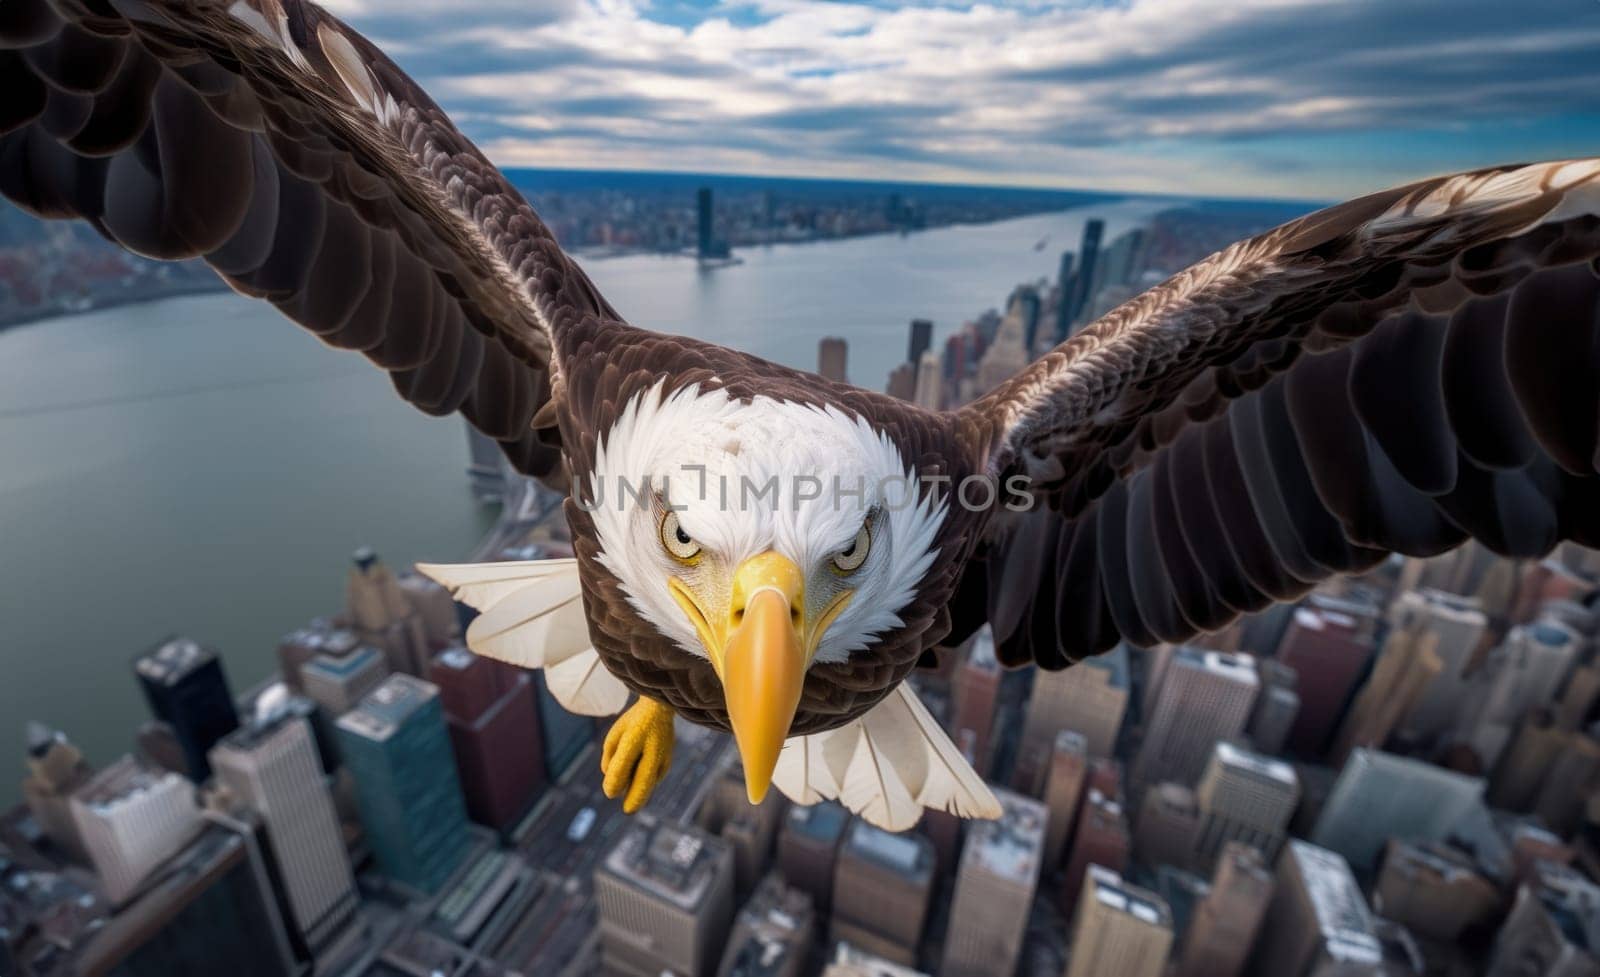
(764, 537)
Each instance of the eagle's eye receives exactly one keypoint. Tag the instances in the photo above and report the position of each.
(849, 559)
(677, 542)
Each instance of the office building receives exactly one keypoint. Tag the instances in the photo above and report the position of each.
(56, 770)
(749, 829)
(301, 645)
(1227, 920)
(902, 382)
(1553, 929)
(772, 933)
(1007, 354)
(337, 684)
(131, 820)
(930, 382)
(1090, 698)
(1329, 646)
(1206, 696)
(271, 766)
(881, 889)
(1573, 774)
(977, 691)
(1576, 704)
(396, 748)
(1101, 838)
(1317, 921)
(921, 340)
(490, 711)
(186, 689)
(210, 911)
(1167, 826)
(1523, 673)
(1461, 627)
(994, 889)
(1088, 263)
(382, 615)
(1379, 796)
(1277, 707)
(665, 897)
(1063, 792)
(808, 849)
(1066, 287)
(1434, 891)
(1516, 781)
(833, 356)
(566, 735)
(1244, 797)
(435, 609)
(1405, 669)
(1119, 929)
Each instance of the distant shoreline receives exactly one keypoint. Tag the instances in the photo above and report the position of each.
(17, 319)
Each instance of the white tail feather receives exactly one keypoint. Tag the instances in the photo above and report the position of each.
(483, 585)
(583, 686)
(885, 767)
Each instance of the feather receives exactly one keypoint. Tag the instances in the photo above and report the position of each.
(583, 686)
(482, 585)
(885, 767)
(538, 626)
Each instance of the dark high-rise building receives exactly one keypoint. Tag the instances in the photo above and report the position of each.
(187, 690)
(881, 890)
(1088, 259)
(1101, 839)
(1227, 920)
(1026, 299)
(665, 895)
(211, 911)
(977, 689)
(749, 829)
(833, 356)
(921, 340)
(396, 748)
(565, 734)
(1167, 826)
(494, 728)
(772, 933)
(706, 243)
(1329, 650)
(1066, 285)
(808, 849)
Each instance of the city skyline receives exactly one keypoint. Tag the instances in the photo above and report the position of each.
(1276, 99)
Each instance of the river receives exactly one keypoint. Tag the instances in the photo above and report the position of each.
(199, 465)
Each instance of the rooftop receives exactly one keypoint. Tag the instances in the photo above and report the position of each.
(1010, 846)
(173, 660)
(668, 861)
(387, 707)
(341, 666)
(1237, 667)
(1110, 890)
(126, 781)
(1341, 910)
(908, 855)
(821, 822)
(1259, 764)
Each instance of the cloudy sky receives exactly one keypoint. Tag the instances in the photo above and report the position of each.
(1296, 98)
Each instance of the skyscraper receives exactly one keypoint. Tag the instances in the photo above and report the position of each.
(382, 614)
(665, 895)
(131, 820)
(1380, 795)
(1164, 833)
(565, 734)
(999, 872)
(396, 748)
(977, 689)
(1091, 698)
(1119, 929)
(489, 709)
(210, 911)
(705, 224)
(921, 340)
(808, 849)
(1228, 919)
(1206, 696)
(1552, 928)
(319, 637)
(772, 933)
(337, 684)
(1405, 668)
(1244, 797)
(1277, 707)
(1066, 288)
(1573, 774)
(1063, 792)
(1328, 647)
(1317, 918)
(1088, 260)
(1460, 627)
(833, 355)
(186, 689)
(1524, 672)
(1007, 354)
(749, 829)
(270, 765)
(1101, 838)
(930, 382)
(880, 891)
(1433, 890)
(56, 769)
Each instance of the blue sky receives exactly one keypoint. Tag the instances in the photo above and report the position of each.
(1289, 98)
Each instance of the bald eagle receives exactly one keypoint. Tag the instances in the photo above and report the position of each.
(1398, 373)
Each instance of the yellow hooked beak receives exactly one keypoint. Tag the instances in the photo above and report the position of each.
(761, 651)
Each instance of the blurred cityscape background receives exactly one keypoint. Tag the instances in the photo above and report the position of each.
(1397, 776)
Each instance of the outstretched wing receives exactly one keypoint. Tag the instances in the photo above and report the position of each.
(271, 140)
(1397, 373)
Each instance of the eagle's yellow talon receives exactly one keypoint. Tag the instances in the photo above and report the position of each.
(637, 753)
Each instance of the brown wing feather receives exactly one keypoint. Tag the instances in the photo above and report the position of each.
(269, 139)
(1398, 373)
